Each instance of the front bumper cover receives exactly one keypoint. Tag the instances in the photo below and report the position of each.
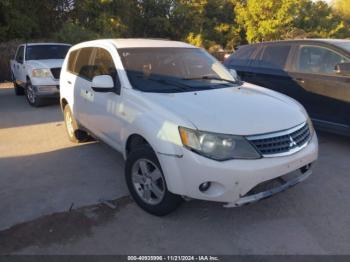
(47, 91)
(268, 193)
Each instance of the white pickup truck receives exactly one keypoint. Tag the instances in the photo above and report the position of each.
(36, 70)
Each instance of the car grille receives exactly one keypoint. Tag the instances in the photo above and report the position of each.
(56, 72)
(282, 143)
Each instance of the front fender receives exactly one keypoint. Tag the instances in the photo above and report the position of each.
(163, 136)
(160, 129)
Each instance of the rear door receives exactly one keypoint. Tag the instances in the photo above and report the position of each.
(269, 68)
(326, 94)
(80, 77)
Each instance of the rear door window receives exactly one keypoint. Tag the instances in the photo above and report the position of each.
(318, 60)
(273, 56)
(83, 66)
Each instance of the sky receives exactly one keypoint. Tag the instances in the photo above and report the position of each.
(328, 1)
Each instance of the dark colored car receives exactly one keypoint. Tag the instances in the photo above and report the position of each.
(314, 72)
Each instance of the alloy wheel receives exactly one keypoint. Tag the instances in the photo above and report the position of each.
(148, 181)
(31, 93)
(69, 124)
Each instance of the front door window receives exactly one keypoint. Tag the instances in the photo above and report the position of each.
(319, 60)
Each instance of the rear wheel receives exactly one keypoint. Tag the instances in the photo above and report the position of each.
(147, 184)
(75, 135)
(32, 96)
(19, 91)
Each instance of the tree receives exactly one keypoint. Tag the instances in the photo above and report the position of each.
(268, 19)
(273, 20)
(153, 18)
(342, 7)
(37, 19)
(317, 19)
(212, 22)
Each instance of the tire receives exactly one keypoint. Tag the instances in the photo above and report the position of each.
(19, 91)
(32, 96)
(75, 135)
(146, 183)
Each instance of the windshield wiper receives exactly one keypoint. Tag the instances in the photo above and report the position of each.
(174, 83)
(212, 78)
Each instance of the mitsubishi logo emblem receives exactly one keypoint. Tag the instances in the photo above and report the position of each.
(292, 142)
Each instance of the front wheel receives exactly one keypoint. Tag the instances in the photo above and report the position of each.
(32, 96)
(147, 184)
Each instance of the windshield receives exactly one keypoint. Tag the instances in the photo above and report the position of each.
(168, 70)
(43, 52)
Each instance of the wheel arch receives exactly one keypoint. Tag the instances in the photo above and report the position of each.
(134, 140)
(63, 102)
(172, 177)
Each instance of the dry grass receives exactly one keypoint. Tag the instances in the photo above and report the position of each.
(6, 85)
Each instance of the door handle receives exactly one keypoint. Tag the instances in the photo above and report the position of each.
(300, 80)
(69, 82)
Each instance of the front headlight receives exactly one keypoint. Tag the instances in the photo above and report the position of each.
(311, 126)
(41, 73)
(217, 146)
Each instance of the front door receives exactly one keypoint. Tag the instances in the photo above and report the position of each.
(19, 68)
(326, 94)
(105, 109)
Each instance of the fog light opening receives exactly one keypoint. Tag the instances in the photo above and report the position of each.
(304, 169)
(204, 186)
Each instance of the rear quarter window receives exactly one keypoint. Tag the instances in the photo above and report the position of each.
(241, 56)
(71, 60)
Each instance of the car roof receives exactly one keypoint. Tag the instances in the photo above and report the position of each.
(140, 42)
(35, 44)
(137, 43)
(306, 40)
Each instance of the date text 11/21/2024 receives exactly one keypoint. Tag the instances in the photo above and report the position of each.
(174, 258)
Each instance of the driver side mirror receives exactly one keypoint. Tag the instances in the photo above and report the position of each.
(103, 84)
(343, 69)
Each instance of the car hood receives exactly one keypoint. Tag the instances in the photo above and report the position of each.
(49, 63)
(244, 110)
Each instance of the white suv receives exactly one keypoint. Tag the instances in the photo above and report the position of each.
(185, 125)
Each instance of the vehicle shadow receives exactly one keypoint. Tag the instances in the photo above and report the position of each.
(40, 184)
(15, 111)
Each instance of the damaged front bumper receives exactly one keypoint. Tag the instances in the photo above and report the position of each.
(284, 185)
